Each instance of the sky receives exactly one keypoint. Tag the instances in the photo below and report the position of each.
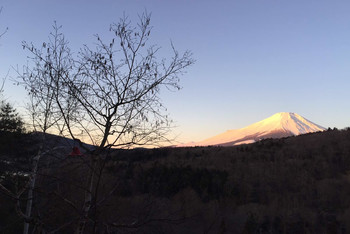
(253, 58)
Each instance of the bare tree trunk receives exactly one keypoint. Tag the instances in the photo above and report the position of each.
(31, 187)
(87, 201)
(30, 195)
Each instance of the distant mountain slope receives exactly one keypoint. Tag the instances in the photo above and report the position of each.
(278, 125)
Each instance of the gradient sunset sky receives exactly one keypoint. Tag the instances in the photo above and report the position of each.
(254, 58)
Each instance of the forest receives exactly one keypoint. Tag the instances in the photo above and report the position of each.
(290, 185)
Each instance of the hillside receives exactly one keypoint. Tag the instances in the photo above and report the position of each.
(291, 185)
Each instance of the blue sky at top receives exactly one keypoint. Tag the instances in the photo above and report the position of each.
(254, 58)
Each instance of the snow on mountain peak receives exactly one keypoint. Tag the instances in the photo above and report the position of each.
(278, 125)
(291, 122)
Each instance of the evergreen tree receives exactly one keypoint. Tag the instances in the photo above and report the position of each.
(10, 121)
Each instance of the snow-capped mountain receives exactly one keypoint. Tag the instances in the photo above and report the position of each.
(279, 125)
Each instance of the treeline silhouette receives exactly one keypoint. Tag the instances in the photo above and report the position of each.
(289, 185)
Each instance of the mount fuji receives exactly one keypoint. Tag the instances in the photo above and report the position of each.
(279, 125)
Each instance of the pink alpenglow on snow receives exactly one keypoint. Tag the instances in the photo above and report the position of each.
(279, 125)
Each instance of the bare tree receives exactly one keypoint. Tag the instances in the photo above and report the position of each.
(108, 95)
(4, 31)
(2, 83)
